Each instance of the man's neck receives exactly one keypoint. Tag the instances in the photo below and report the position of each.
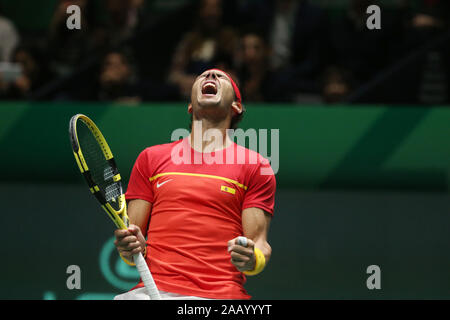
(207, 136)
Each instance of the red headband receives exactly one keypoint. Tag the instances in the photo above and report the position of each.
(235, 87)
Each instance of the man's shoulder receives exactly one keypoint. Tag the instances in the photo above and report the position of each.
(158, 149)
(251, 156)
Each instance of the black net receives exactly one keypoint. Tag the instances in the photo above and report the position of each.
(100, 169)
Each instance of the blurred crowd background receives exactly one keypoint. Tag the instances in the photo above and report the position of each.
(299, 51)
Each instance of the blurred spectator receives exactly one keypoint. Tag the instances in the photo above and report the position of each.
(284, 57)
(209, 44)
(337, 85)
(253, 70)
(67, 48)
(297, 32)
(117, 80)
(428, 21)
(361, 51)
(284, 20)
(9, 38)
(406, 74)
(34, 73)
(122, 20)
(432, 14)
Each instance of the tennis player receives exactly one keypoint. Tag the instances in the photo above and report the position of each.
(201, 225)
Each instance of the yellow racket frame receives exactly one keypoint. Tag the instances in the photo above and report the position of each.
(119, 217)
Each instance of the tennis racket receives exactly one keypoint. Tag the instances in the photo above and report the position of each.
(96, 163)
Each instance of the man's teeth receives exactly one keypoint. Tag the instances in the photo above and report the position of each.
(209, 88)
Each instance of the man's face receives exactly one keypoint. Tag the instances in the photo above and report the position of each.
(211, 13)
(253, 49)
(212, 90)
(115, 69)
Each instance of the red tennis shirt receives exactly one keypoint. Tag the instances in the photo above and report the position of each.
(197, 202)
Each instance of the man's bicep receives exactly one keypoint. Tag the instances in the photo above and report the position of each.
(255, 223)
(139, 213)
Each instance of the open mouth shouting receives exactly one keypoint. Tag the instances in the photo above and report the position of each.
(209, 88)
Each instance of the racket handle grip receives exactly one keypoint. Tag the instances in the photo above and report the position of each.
(146, 277)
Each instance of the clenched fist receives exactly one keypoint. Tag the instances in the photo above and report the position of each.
(129, 241)
(242, 257)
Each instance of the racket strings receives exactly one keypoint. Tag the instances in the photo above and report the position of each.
(101, 171)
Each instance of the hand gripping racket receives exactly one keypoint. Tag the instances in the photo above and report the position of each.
(96, 163)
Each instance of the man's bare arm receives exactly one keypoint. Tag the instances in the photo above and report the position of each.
(139, 213)
(255, 225)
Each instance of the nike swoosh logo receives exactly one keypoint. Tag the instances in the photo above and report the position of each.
(160, 184)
